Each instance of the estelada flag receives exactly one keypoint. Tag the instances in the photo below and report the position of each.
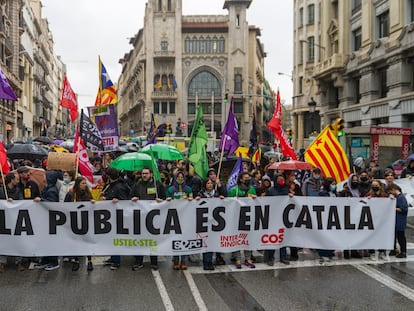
(69, 100)
(327, 153)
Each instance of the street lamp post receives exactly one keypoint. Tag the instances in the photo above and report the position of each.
(312, 111)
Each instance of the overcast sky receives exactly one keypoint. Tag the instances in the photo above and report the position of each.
(84, 29)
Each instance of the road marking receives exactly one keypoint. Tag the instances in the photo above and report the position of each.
(386, 280)
(194, 290)
(301, 264)
(163, 291)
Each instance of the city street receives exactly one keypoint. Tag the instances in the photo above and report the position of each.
(356, 284)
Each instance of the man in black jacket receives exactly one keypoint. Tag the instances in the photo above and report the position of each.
(147, 188)
(115, 190)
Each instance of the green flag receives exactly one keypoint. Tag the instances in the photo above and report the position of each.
(197, 154)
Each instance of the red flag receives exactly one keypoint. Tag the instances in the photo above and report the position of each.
(85, 167)
(69, 100)
(4, 164)
(276, 121)
(275, 125)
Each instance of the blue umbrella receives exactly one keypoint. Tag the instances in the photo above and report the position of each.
(410, 157)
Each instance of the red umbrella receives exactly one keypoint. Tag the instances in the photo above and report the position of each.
(291, 165)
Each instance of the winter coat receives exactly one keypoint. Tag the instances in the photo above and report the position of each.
(401, 217)
(145, 190)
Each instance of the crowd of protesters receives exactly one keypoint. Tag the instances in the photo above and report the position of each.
(179, 182)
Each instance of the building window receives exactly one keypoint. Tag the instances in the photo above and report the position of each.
(156, 108)
(311, 49)
(203, 84)
(238, 83)
(191, 108)
(159, 5)
(357, 39)
(208, 44)
(215, 44)
(164, 46)
(194, 43)
(169, 6)
(187, 44)
(172, 107)
(238, 20)
(357, 91)
(311, 14)
(202, 45)
(300, 86)
(383, 22)
(221, 45)
(164, 108)
(382, 83)
(238, 106)
(356, 6)
(301, 17)
(411, 10)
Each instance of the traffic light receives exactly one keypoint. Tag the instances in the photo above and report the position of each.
(169, 129)
(338, 127)
(289, 133)
(226, 96)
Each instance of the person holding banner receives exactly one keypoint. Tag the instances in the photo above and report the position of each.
(208, 191)
(80, 193)
(280, 187)
(147, 188)
(179, 191)
(10, 191)
(400, 219)
(115, 189)
(243, 188)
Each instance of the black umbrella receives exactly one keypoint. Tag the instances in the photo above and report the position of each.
(27, 152)
(43, 139)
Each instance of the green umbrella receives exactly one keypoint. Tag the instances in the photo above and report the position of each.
(135, 161)
(162, 152)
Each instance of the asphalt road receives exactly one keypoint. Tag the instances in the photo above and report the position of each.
(356, 284)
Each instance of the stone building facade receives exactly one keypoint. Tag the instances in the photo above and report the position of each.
(178, 61)
(355, 59)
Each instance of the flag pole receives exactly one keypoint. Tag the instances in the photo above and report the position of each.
(221, 156)
(4, 183)
(78, 146)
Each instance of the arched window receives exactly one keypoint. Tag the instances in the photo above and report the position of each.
(208, 44)
(202, 45)
(187, 44)
(195, 44)
(221, 45)
(215, 45)
(203, 84)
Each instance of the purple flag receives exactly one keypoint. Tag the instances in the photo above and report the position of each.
(6, 91)
(230, 136)
(237, 169)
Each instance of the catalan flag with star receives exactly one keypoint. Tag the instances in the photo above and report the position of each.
(327, 153)
(107, 90)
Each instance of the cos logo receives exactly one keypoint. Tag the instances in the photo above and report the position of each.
(273, 238)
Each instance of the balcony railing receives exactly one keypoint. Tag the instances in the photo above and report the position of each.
(333, 62)
(164, 94)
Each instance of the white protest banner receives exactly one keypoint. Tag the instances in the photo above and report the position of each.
(183, 227)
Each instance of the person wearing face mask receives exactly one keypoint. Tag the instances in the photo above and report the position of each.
(243, 188)
(29, 188)
(313, 184)
(179, 191)
(328, 190)
(280, 187)
(11, 181)
(80, 193)
(352, 190)
(377, 191)
(364, 183)
(66, 184)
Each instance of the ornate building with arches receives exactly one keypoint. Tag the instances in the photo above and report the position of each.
(178, 62)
